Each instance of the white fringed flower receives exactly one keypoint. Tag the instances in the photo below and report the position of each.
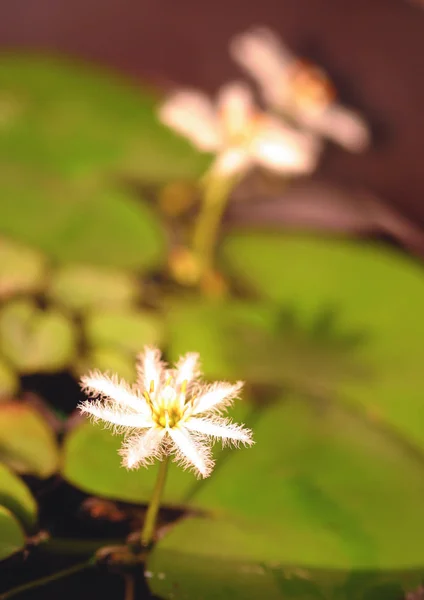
(297, 88)
(167, 412)
(238, 133)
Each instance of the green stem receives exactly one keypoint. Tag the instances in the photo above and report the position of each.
(153, 508)
(216, 194)
(46, 580)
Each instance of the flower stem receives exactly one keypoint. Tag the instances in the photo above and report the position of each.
(153, 508)
(46, 580)
(216, 193)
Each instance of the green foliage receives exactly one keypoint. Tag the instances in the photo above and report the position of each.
(127, 331)
(22, 269)
(327, 498)
(8, 381)
(373, 298)
(334, 482)
(92, 463)
(328, 504)
(84, 221)
(107, 359)
(83, 288)
(71, 120)
(11, 535)
(34, 340)
(27, 443)
(16, 497)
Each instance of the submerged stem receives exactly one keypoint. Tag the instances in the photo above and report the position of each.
(36, 583)
(153, 508)
(216, 194)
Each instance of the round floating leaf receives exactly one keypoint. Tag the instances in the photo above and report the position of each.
(82, 222)
(187, 563)
(322, 489)
(71, 119)
(15, 496)
(363, 303)
(12, 537)
(27, 444)
(83, 287)
(22, 269)
(267, 344)
(127, 331)
(35, 340)
(8, 381)
(214, 330)
(91, 462)
(344, 330)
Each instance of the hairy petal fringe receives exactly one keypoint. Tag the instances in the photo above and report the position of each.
(113, 417)
(143, 449)
(223, 429)
(97, 384)
(191, 453)
(216, 396)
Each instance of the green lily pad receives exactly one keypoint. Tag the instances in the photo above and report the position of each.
(74, 120)
(368, 300)
(322, 490)
(22, 269)
(83, 287)
(15, 496)
(181, 566)
(91, 462)
(264, 344)
(12, 537)
(128, 331)
(35, 340)
(9, 383)
(211, 328)
(334, 482)
(27, 443)
(84, 222)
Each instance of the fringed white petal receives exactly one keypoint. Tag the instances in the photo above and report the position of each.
(192, 114)
(221, 428)
(187, 368)
(190, 452)
(96, 384)
(280, 148)
(150, 370)
(341, 125)
(143, 449)
(113, 416)
(216, 396)
(264, 57)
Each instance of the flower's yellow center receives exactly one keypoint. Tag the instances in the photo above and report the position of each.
(239, 128)
(312, 89)
(170, 406)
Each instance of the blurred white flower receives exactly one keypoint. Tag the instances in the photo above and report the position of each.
(297, 88)
(168, 411)
(238, 133)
